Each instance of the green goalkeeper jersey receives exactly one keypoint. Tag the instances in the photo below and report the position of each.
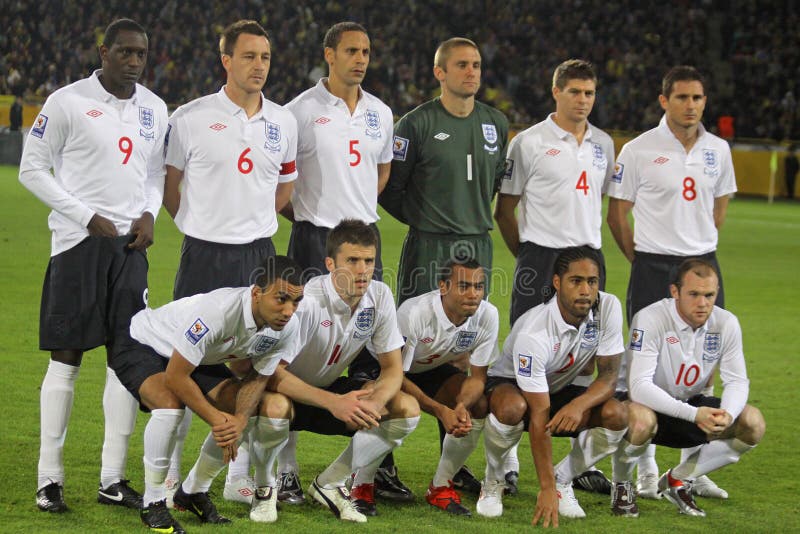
(446, 169)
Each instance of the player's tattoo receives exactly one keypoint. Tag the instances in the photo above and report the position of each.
(608, 367)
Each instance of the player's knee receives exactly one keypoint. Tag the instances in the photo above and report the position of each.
(156, 396)
(509, 409)
(642, 423)
(276, 406)
(403, 405)
(614, 415)
(752, 425)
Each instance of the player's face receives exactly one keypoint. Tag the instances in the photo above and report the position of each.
(575, 101)
(685, 105)
(248, 66)
(576, 290)
(124, 61)
(462, 75)
(276, 304)
(348, 63)
(352, 270)
(695, 298)
(463, 291)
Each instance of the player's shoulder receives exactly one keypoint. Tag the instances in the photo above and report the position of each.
(417, 304)
(497, 116)
(644, 140)
(656, 315)
(149, 98)
(380, 291)
(304, 99)
(376, 103)
(710, 140)
(609, 300)
(599, 135)
(196, 106)
(275, 112)
(722, 318)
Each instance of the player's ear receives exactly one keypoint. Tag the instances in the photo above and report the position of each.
(556, 282)
(329, 53)
(226, 62)
(555, 91)
(329, 264)
(439, 73)
(663, 101)
(674, 291)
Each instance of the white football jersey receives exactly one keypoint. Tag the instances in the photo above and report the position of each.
(331, 336)
(215, 327)
(338, 155)
(669, 362)
(107, 157)
(231, 167)
(555, 176)
(432, 340)
(544, 353)
(673, 192)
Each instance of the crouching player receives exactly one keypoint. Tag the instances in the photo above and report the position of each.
(179, 361)
(441, 326)
(531, 387)
(675, 346)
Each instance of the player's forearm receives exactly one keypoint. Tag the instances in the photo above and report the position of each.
(388, 384)
(426, 404)
(471, 391)
(542, 449)
(154, 191)
(286, 383)
(509, 230)
(172, 193)
(391, 198)
(620, 227)
(596, 394)
(189, 393)
(250, 395)
(283, 195)
(44, 186)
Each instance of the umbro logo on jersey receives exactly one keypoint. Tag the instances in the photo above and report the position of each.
(556, 347)
(426, 340)
(326, 323)
(672, 340)
(660, 160)
(217, 126)
(553, 152)
(441, 136)
(94, 113)
(322, 120)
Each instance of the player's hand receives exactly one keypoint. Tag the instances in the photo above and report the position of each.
(464, 421)
(142, 228)
(546, 509)
(723, 422)
(99, 226)
(711, 420)
(354, 411)
(226, 430)
(229, 453)
(567, 419)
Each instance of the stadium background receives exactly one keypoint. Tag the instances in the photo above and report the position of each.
(749, 51)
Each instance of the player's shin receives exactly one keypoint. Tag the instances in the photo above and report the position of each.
(267, 438)
(120, 409)
(498, 440)
(56, 398)
(711, 457)
(159, 439)
(590, 447)
(455, 452)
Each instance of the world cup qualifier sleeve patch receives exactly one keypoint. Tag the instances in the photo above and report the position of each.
(39, 126)
(637, 336)
(525, 365)
(400, 148)
(619, 168)
(196, 332)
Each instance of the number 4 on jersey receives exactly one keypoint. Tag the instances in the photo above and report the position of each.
(583, 184)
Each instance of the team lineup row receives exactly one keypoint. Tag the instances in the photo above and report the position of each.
(326, 160)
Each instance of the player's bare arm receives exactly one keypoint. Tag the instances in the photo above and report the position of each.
(720, 210)
(575, 415)
(542, 451)
(348, 408)
(430, 406)
(384, 170)
(507, 221)
(143, 229)
(620, 225)
(178, 380)
(283, 194)
(472, 387)
(172, 190)
(389, 381)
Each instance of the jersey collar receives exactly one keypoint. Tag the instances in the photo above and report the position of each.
(332, 100)
(232, 108)
(682, 325)
(101, 94)
(438, 310)
(562, 133)
(664, 129)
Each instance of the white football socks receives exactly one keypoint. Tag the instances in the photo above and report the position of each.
(647, 462)
(590, 447)
(120, 409)
(159, 439)
(623, 461)
(55, 401)
(267, 438)
(498, 440)
(287, 457)
(455, 452)
(181, 432)
(710, 457)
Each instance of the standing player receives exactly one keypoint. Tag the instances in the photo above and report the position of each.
(230, 168)
(560, 165)
(676, 179)
(344, 155)
(341, 312)
(676, 345)
(103, 137)
(439, 327)
(178, 360)
(344, 149)
(531, 387)
(449, 157)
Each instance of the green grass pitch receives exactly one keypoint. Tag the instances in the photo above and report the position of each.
(759, 252)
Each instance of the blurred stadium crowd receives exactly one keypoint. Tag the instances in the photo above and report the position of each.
(747, 49)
